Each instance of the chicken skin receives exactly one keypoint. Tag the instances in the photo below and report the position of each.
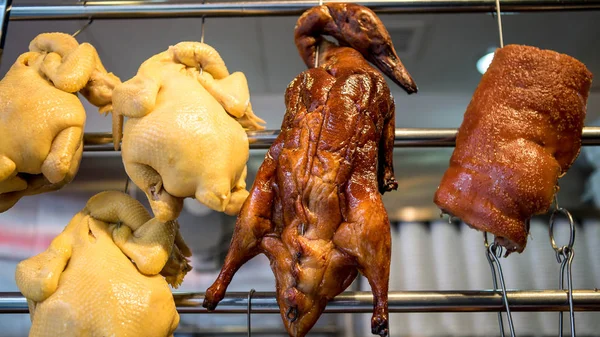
(520, 134)
(42, 117)
(100, 276)
(185, 134)
(315, 208)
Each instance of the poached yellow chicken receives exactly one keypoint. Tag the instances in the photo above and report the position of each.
(42, 119)
(185, 134)
(104, 275)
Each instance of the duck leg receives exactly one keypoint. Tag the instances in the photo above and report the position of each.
(253, 223)
(366, 237)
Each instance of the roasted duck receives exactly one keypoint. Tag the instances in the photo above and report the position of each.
(42, 117)
(185, 133)
(315, 208)
(520, 134)
(100, 276)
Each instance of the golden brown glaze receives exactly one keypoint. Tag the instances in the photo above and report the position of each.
(315, 209)
(520, 133)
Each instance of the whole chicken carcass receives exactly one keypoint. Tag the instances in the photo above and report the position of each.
(315, 208)
(521, 132)
(42, 117)
(85, 283)
(185, 135)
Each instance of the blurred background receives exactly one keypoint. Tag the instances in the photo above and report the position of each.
(429, 253)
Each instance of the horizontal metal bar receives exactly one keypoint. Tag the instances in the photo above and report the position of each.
(362, 302)
(403, 138)
(227, 330)
(139, 9)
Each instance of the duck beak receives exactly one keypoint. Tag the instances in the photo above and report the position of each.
(389, 63)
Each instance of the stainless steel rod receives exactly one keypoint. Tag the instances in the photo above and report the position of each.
(5, 9)
(404, 138)
(362, 302)
(137, 9)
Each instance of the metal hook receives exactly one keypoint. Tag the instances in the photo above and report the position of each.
(249, 319)
(126, 186)
(318, 46)
(560, 250)
(202, 34)
(90, 20)
(302, 229)
(202, 27)
(493, 253)
(564, 256)
(5, 11)
(292, 314)
(499, 18)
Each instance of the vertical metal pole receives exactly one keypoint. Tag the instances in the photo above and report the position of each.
(5, 6)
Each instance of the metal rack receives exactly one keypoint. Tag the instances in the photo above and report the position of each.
(354, 302)
(413, 137)
(127, 10)
(362, 302)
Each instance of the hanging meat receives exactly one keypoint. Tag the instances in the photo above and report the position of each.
(520, 134)
(185, 134)
(42, 117)
(100, 276)
(315, 208)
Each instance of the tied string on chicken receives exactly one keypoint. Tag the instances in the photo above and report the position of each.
(88, 23)
(493, 253)
(564, 256)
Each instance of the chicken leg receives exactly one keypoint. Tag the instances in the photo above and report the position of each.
(63, 149)
(251, 228)
(149, 243)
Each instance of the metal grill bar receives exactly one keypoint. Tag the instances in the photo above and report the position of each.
(136, 9)
(5, 9)
(403, 138)
(362, 302)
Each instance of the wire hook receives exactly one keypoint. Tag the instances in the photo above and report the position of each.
(88, 23)
(564, 256)
(499, 18)
(249, 319)
(126, 190)
(90, 20)
(202, 27)
(493, 253)
(318, 46)
(202, 33)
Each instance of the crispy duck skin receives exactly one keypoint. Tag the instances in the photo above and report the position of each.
(315, 208)
(521, 132)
